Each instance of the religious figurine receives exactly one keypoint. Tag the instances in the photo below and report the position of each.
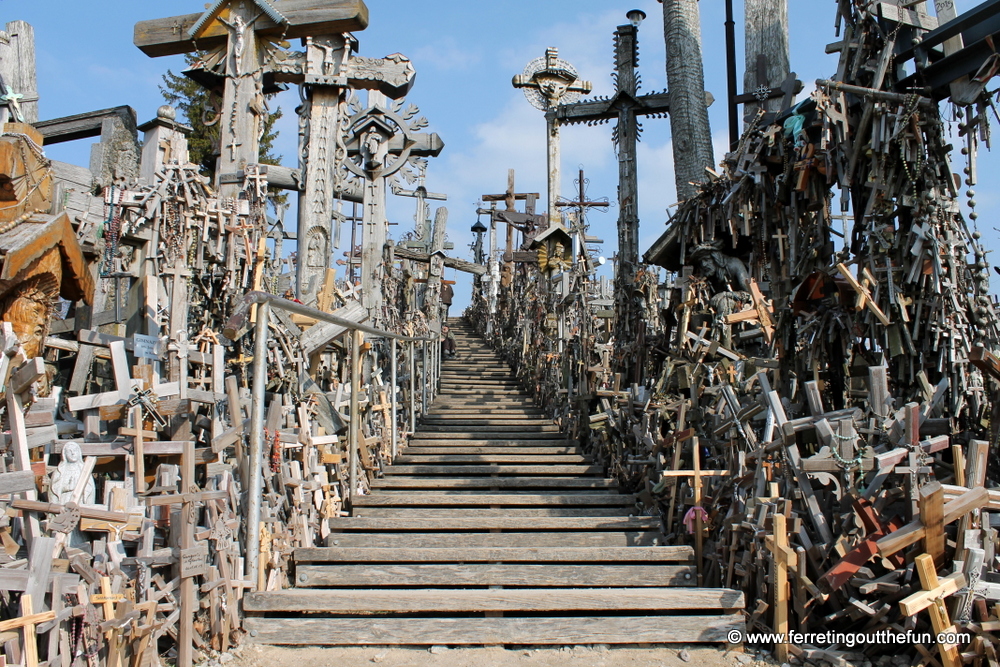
(725, 272)
(66, 476)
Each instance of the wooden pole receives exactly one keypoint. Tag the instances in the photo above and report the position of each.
(357, 338)
(255, 456)
(189, 604)
(392, 427)
(766, 35)
(689, 126)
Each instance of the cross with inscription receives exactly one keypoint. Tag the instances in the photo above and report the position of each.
(626, 105)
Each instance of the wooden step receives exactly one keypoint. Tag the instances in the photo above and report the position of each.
(469, 512)
(465, 459)
(573, 630)
(431, 499)
(674, 554)
(354, 601)
(536, 427)
(506, 539)
(488, 574)
(488, 436)
(419, 441)
(496, 523)
(496, 469)
(476, 484)
(560, 448)
(486, 420)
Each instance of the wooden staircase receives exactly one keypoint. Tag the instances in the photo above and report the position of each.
(491, 528)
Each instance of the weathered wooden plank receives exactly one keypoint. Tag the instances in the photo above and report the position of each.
(451, 262)
(419, 441)
(447, 574)
(463, 554)
(426, 499)
(425, 459)
(498, 469)
(83, 125)
(169, 36)
(17, 482)
(477, 540)
(473, 483)
(488, 523)
(17, 580)
(504, 630)
(468, 512)
(619, 599)
(561, 448)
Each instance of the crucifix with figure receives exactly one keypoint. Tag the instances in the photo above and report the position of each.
(579, 225)
(626, 105)
(243, 41)
(548, 82)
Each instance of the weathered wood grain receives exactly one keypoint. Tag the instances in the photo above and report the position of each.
(463, 554)
(495, 575)
(478, 631)
(487, 523)
(477, 540)
(619, 599)
(422, 499)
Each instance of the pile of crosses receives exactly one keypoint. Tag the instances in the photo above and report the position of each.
(810, 400)
(184, 403)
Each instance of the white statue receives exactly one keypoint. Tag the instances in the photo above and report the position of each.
(67, 475)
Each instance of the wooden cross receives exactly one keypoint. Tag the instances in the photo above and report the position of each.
(782, 557)
(760, 312)
(864, 296)
(788, 89)
(26, 623)
(243, 30)
(525, 222)
(626, 105)
(932, 598)
(546, 88)
(421, 218)
(108, 600)
(780, 237)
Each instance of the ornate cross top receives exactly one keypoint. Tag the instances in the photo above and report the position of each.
(241, 29)
(626, 105)
(548, 82)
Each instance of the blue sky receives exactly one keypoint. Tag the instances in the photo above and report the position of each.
(465, 54)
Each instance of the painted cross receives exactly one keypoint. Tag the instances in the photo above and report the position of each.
(548, 82)
(626, 105)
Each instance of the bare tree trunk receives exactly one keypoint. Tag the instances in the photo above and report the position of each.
(767, 35)
(689, 126)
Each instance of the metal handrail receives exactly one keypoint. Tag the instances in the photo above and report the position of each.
(237, 326)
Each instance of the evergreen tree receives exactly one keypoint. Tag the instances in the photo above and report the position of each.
(197, 107)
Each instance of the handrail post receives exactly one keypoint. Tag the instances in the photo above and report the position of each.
(354, 431)
(413, 387)
(255, 455)
(425, 373)
(392, 426)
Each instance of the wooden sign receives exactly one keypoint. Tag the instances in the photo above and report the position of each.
(194, 561)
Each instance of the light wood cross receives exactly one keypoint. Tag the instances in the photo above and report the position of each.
(932, 598)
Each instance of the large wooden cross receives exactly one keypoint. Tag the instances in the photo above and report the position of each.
(243, 29)
(381, 140)
(244, 40)
(548, 82)
(626, 105)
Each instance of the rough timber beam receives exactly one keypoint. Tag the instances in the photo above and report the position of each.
(169, 36)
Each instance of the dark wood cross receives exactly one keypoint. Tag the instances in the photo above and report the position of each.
(626, 105)
(788, 89)
(515, 220)
(581, 205)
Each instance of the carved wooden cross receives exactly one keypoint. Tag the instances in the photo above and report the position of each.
(626, 105)
(548, 82)
(422, 220)
(240, 32)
